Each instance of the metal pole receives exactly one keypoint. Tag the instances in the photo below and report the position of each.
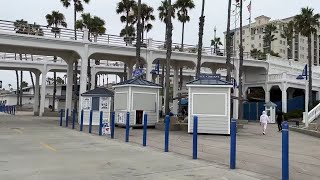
(306, 103)
(166, 135)
(233, 136)
(195, 137)
(285, 151)
(67, 118)
(61, 116)
(90, 122)
(112, 125)
(81, 121)
(100, 124)
(73, 118)
(145, 124)
(127, 126)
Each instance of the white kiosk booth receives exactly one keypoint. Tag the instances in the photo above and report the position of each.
(209, 99)
(136, 96)
(98, 99)
(270, 109)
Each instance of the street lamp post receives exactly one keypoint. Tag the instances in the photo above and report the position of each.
(304, 76)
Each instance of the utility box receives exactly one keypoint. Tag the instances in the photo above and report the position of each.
(136, 96)
(209, 99)
(98, 99)
(270, 109)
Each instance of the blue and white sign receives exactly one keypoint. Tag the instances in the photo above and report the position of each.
(210, 76)
(138, 72)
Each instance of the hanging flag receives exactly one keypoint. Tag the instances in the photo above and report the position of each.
(305, 71)
(249, 7)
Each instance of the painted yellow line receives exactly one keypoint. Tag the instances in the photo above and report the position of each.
(47, 146)
(18, 131)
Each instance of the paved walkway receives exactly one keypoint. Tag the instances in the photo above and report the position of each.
(255, 152)
(34, 148)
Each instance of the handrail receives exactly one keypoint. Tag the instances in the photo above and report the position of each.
(313, 114)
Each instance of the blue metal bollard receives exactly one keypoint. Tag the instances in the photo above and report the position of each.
(233, 141)
(112, 125)
(81, 121)
(285, 151)
(166, 133)
(195, 137)
(90, 122)
(61, 116)
(100, 124)
(127, 126)
(67, 118)
(145, 125)
(73, 118)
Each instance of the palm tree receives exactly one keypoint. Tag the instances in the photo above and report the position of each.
(183, 6)
(125, 7)
(269, 37)
(240, 94)
(168, 56)
(54, 20)
(288, 35)
(95, 25)
(307, 23)
(201, 25)
(139, 31)
(216, 42)
(77, 7)
(146, 17)
(228, 43)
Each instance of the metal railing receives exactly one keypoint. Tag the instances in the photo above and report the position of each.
(9, 26)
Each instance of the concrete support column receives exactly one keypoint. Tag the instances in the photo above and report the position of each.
(69, 87)
(43, 90)
(175, 89)
(267, 93)
(93, 77)
(36, 95)
(148, 71)
(83, 74)
(130, 70)
(284, 97)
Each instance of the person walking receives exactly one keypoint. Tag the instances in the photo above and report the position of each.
(279, 120)
(264, 119)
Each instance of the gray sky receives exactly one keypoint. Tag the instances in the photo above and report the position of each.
(215, 12)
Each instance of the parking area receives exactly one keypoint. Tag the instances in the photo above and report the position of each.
(38, 147)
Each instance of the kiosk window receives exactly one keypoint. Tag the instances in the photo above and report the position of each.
(95, 103)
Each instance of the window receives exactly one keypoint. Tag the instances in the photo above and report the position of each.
(237, 41)
(252, 37)
(259, 36)
(280, 41)
(252, 45)
(238, 33)
(244, 32)
(243, 40)
(95, 103)
(284, 43)
(280, 50)
(259, 44)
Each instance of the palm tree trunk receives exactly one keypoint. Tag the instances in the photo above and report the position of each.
(310, 71)
(228, 44)
(54, 91)
(168, 57)
(182, 38)
(201, 25)
(31, 76)
(21, 88)
(89, 75)
(138, 45)
(75, 73)
(18, 89)
(240, 107)
(125, 77)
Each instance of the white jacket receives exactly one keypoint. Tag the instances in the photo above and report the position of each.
(264, 117)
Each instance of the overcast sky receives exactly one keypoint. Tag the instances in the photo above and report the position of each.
(215, 12)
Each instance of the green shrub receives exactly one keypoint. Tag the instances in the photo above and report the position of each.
(294, 114)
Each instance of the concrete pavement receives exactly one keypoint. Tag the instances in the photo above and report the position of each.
(37, 148)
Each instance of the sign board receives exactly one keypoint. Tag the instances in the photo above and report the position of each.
(121, 118)
(105, 128)
(210, 76)
(86, 103)
(138, 72)
(104, 103)
(0, 84)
